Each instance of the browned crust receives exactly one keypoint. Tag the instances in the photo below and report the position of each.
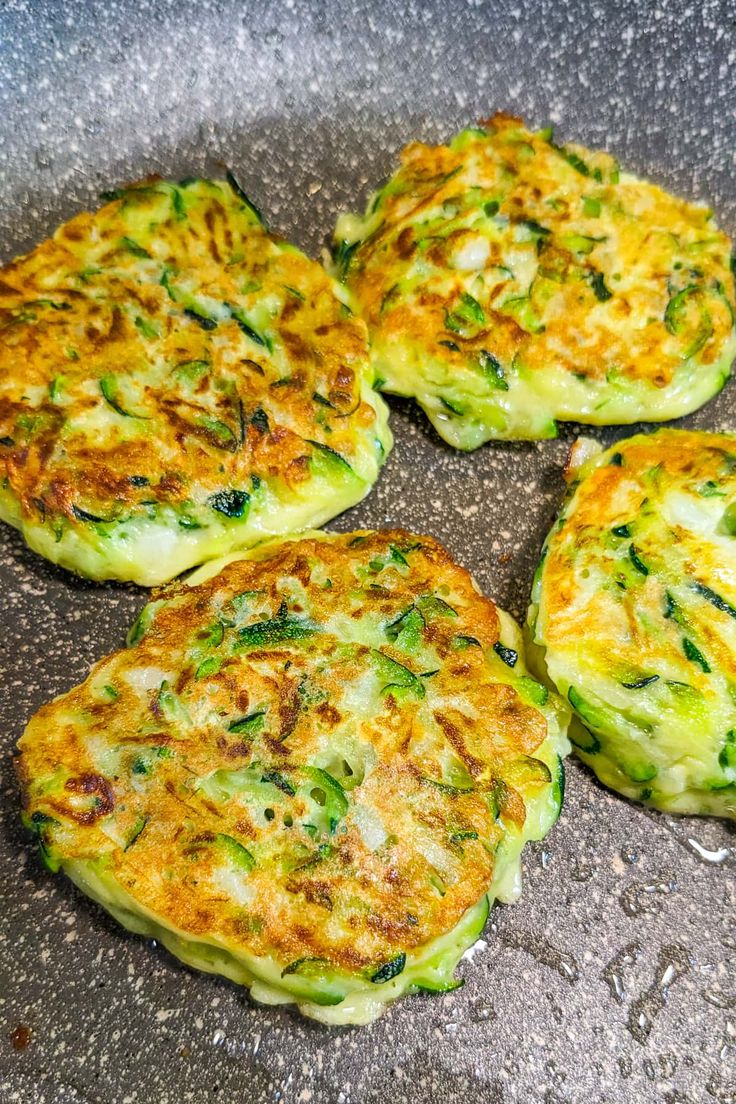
(437, 175)
(186, 440)
(350, 903)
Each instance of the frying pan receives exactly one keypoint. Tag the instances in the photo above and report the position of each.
(613, 980)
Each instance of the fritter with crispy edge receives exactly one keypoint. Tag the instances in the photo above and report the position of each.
(634, 617)
(311, 771)
(175, 383)
(508, 282)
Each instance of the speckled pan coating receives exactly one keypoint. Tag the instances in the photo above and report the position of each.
(624, 939)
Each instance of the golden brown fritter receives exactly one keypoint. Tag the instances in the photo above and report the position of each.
(634, 608)
(508, 281)
(175, 382)
(323, 753)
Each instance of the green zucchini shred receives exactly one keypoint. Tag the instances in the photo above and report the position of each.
(330, 454)
(714, 599)
(637, 561)
(138, 828)
(693, 653)
(492, 370)
(395, 676)
(249, 725)
(275, 630)
(389, 970)
(238, 855)
(244, 198)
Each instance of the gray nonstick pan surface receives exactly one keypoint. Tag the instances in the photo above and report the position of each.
(614, 979)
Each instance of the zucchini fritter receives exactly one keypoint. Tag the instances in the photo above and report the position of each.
(634, 610)
(508, 282)
(176, 382)
(311, 770)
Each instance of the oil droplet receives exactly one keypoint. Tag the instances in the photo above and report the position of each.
(613, 972)
(542, 951)
(557, 1077)
(641, 898)
(674, 962)
(235, 1048)
(667, 1066)
(511, 1065)
(482, 1012)
(719, 999)
(582, 870)
(558, 1014)
(728, 1049)
(725, 1094)
(552, 1096)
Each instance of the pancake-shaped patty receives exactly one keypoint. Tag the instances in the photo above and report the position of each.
(175, 383)
(509, 282)
(311, 770)
(634, 615)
